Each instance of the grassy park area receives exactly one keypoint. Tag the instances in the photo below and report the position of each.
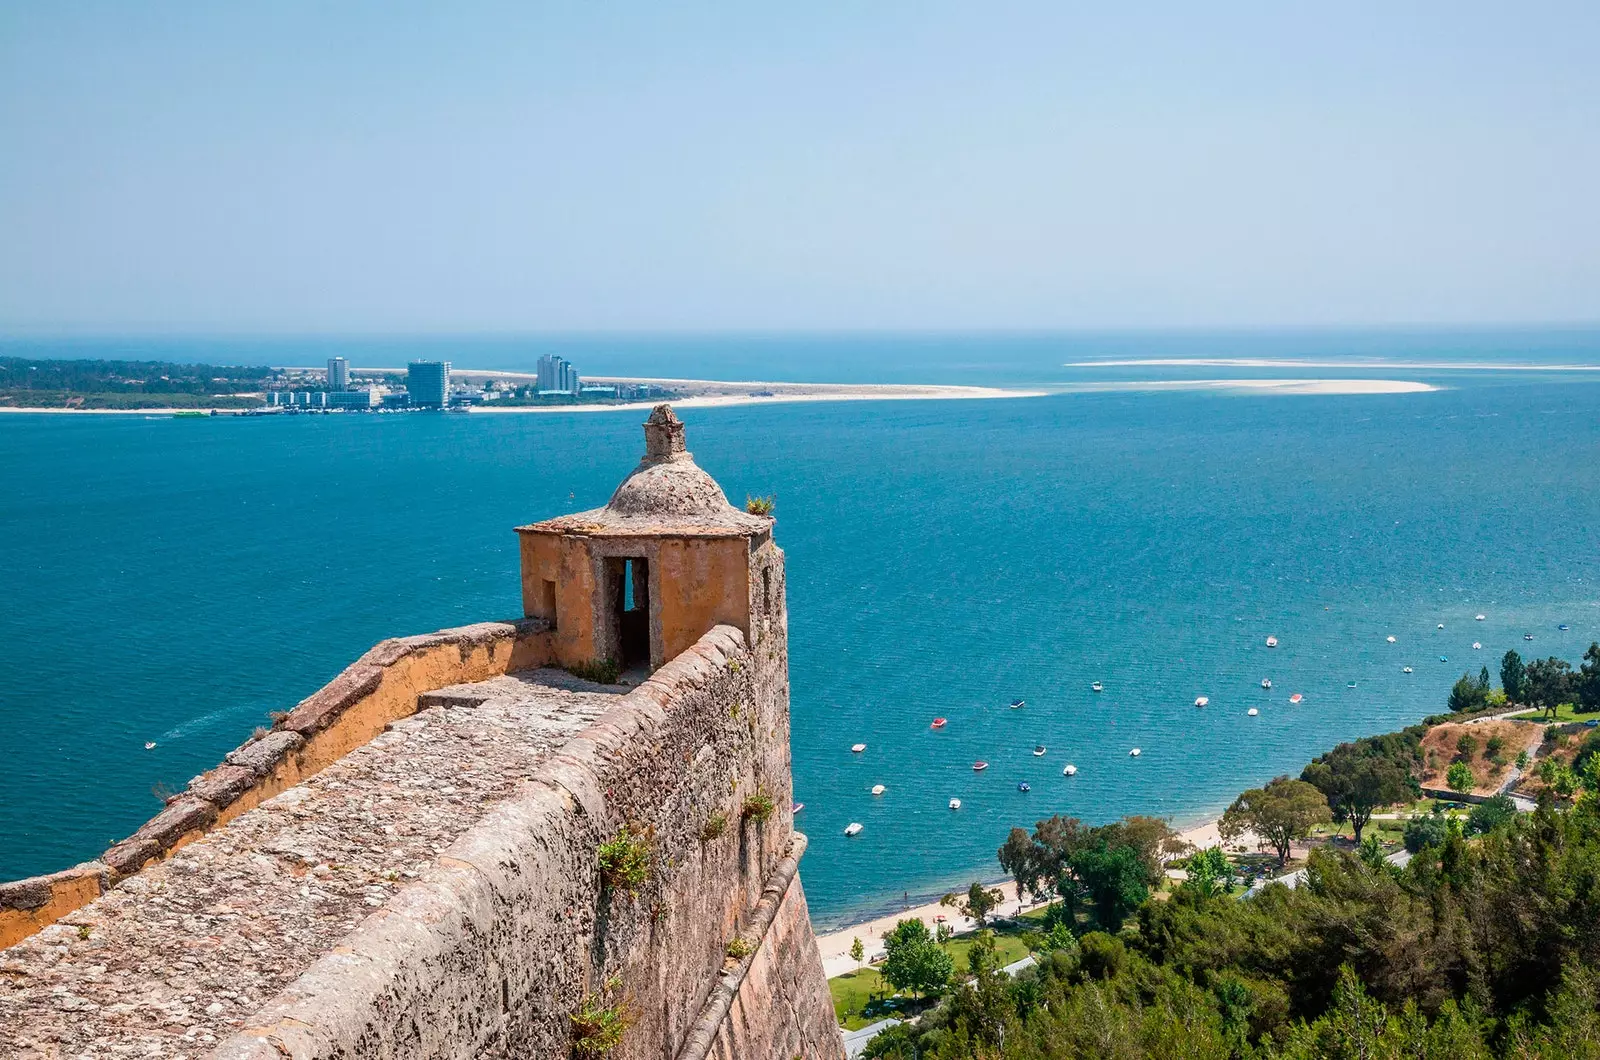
(859, 997)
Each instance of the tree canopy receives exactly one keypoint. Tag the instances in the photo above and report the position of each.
(1357, 779)
(915, 962)
(1280, 813)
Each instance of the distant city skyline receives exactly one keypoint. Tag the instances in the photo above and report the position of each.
(301, 169)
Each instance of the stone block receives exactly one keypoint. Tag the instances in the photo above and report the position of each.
(223, 784)
(322, 707)
(262, 756)
(130, 855)
(183, 815)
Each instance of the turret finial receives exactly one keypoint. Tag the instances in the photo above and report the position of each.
(663, 436)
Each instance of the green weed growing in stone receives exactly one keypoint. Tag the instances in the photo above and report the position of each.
(598, 1025)
(760, 505)
(625, 859)
(600, 671)
(713, 827)
(758, 808)
(739, 947)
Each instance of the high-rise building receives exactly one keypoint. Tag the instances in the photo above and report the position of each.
(428, 383)
(338, 373)
(557, 375)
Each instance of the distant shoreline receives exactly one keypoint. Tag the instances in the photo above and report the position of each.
(703, 393)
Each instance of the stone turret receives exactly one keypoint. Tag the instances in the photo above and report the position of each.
(665, 560)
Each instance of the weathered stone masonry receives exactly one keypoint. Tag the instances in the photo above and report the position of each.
(375, 879)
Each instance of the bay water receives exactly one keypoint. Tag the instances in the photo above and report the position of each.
(174, 580)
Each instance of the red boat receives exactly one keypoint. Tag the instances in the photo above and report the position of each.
(979, 767)
(938, 723)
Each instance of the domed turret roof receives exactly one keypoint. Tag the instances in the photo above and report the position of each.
(668, 493)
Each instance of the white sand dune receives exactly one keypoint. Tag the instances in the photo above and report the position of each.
(1269, 386)
(1353, 364)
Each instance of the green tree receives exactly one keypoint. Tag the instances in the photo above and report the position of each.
(1459, 779)
(977, 903)
(1512, 673)
(1548, 683)
(1466, 694)
(1588, 684)
(914, 960)
(1490, 814)
(1425, 830)
(1210, 872)
(1280, 813)
(1356, 784)
(858, 952)
(1113, 879)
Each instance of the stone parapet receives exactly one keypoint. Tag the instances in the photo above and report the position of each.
(380, 687)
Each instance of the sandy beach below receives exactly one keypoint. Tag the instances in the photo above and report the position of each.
(1267, 386)
(835, 945)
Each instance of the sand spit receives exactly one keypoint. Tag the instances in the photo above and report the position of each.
(1352, 365)
(1268, 386)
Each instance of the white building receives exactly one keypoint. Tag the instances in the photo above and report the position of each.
(338, 373)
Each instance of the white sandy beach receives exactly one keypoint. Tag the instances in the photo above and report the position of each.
(1353, 364)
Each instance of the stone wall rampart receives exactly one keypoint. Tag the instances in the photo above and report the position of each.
(380, 687)
(493, 951)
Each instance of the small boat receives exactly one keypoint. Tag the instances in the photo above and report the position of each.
(1098, 687)
(1563, 627)
(1070, 770)
(1527, 636)
(1477, 646)
(1266, 682)
(857, 748)
(1391, 638)
(1272, 642)
(877, 789)
(938, 723)
(1023, 785)
(1038, 750)
(1015, 703)
(1444, 658)
(149, 745)
(797, 807)
(1297, 697)
(853, 828)
(955, 804)
(979, 767)
(1201, 701)
(1133, 753)
(1406, 670)
(1351, 684)
(1441, 625)
(1477, 618)
(1252, 712)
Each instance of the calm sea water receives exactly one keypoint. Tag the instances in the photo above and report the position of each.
(175, 580)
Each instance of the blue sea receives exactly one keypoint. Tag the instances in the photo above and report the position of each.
(174, 580)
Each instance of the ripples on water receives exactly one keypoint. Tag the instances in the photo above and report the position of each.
(174, 580)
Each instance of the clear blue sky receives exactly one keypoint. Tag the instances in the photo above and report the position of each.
(469, 167)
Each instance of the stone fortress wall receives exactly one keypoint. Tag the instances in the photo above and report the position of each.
(408, 864)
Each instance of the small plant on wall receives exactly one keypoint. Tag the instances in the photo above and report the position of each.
(739, 947)
(599, 1023)
(758, 808)
(625, 860)
(760, 505)
(713, 827)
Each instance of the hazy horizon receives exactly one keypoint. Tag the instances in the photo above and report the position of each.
(504, 170)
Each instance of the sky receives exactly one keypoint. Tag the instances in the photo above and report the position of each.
(297, 168)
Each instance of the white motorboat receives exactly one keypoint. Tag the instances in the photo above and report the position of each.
(1070, 770)
(1266, 682)
(1391, 638)
(1252, 712)
(857, 748)
(878, 789)
(1201, 701)
(1133, 753)
(1272, 642)
(853, 828)
(955, 804)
